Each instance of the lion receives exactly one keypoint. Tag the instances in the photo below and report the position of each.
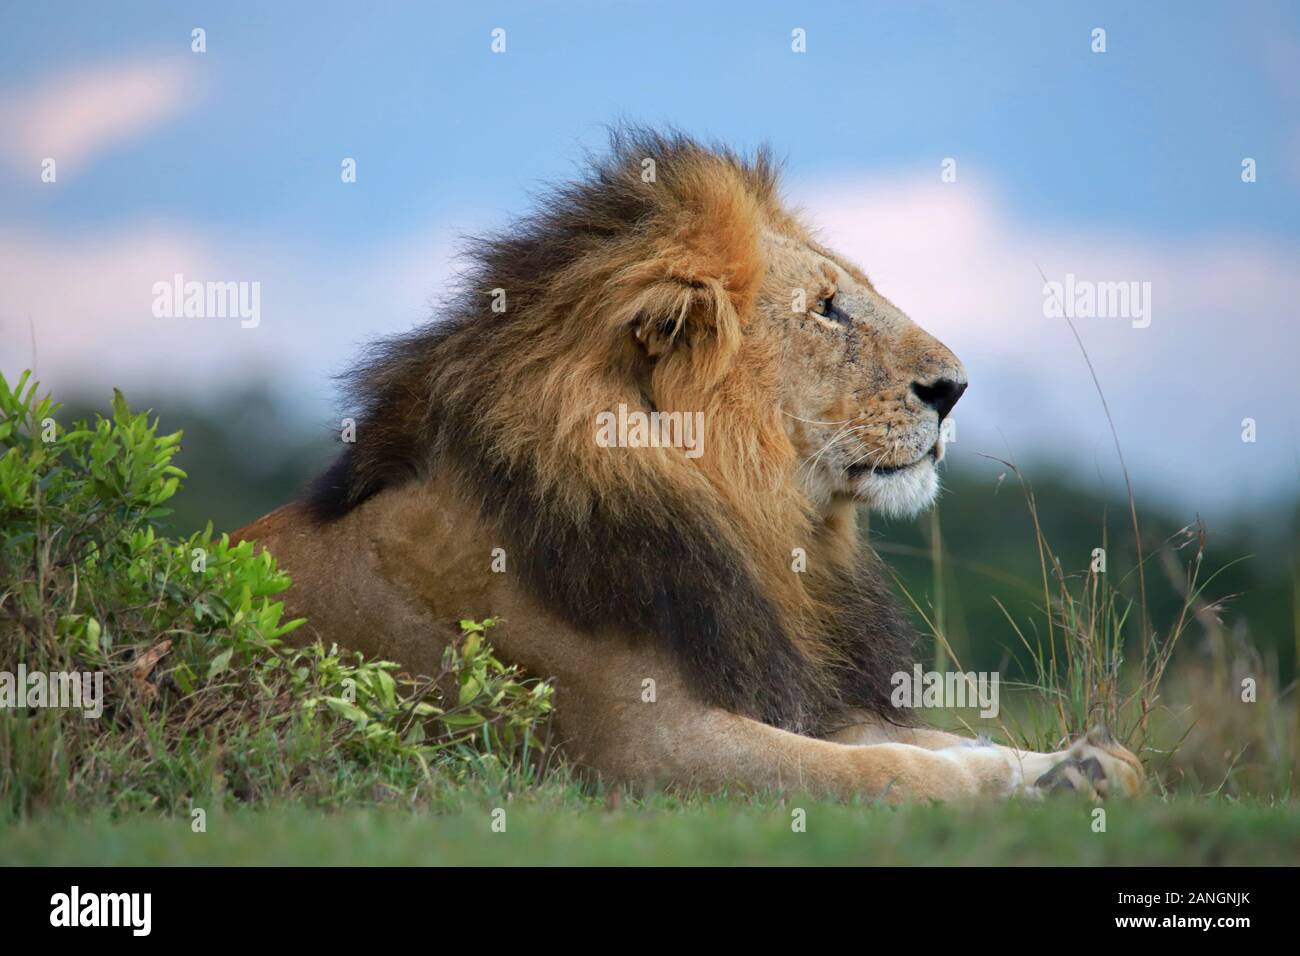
(650, 577)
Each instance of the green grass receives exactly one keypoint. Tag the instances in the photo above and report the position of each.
(665, 831)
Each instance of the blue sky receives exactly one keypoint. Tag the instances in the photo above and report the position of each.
(1136, 136)
(1120, 165)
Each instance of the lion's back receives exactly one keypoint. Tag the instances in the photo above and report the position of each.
(389, 579)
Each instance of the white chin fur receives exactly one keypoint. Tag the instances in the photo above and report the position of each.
(903, 494)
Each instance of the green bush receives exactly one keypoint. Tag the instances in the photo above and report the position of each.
(203, 702)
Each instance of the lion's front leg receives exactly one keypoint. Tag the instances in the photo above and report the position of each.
(701, 747)
(609, 722)
(1095, 765)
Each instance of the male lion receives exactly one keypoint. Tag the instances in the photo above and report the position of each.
(673, 280)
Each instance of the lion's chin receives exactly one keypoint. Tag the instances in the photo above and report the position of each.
(900, 494)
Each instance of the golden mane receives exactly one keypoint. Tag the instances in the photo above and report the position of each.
(618, 290)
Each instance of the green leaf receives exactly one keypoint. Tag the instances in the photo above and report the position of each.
(348, 711)
(93, 632)
(220, 662)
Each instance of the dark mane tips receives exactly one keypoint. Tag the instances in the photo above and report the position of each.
(387, 392)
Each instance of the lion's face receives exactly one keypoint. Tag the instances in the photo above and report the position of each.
(863, 390)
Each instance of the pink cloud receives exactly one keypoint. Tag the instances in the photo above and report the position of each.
(1220, 346)
(81, 308)
(72, 117)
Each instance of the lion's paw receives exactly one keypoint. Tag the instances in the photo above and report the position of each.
(1095, 766)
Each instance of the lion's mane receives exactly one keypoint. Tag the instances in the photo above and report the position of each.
(693, 555)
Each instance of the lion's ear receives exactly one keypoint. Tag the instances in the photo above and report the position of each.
(698, 259)
(679, 316)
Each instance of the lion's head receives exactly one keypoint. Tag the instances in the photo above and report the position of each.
(671, 284)
(862, 388)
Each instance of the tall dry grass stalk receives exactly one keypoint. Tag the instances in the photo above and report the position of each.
(1195, 730)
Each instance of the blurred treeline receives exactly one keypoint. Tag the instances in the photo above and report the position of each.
(245, 456)
(988, 555)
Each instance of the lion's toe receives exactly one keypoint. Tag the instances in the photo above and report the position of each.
(1095, 766)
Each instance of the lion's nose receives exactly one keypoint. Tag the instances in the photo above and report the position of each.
(941, 395)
